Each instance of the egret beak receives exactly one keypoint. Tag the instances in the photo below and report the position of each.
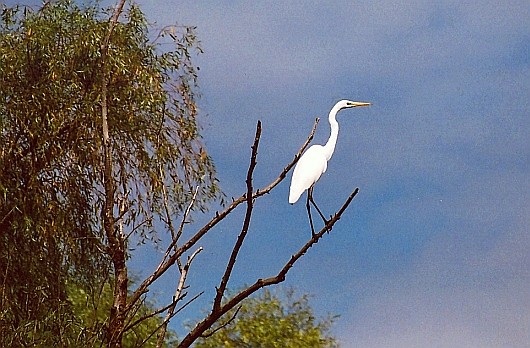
(355, 104)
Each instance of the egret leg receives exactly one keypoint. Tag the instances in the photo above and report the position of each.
(309, 214)
(310, 197)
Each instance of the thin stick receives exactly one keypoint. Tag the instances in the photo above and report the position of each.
(176, 298)
(246, 222)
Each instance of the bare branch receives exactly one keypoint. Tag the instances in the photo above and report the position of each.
(170, 307)
(209, 334)
(207, 322)
(174, 253)
(178, 310)
(286, 170)
(150, 315)
(176, 235)
(187, 303)
(186, 214)
(176, 297)
(167, 263)
(130, 324)
(246, 222)
(327, 228)
(169, 221)
(138, 226)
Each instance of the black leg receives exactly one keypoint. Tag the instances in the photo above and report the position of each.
(310, 198)
(309, 213)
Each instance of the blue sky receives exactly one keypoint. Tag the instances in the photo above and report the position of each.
(434, 251)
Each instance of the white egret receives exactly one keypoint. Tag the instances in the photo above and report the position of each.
(314, 162)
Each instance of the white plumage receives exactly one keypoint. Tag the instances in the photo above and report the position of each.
(307, 171)
(314, 161)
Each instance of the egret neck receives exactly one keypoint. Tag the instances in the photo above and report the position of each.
(332, 141)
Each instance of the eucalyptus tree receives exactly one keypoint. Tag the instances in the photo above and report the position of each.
(55, 62)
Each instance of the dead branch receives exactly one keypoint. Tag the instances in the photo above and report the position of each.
(178, 310)
(176, 234)
(222, 326)
(186, 214)
(218, 312)
(183, 270)
(246, 223)
(156, 312)
(178, 295)
(168, 219)
(167, 263)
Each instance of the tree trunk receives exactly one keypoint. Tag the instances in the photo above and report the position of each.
(115, 239)
(118, 313)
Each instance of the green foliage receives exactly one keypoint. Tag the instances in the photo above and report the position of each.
(92, 306)
(269, 321)
(51, 159)
(80, 322)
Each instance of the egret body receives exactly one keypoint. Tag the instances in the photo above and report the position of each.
(314, 161)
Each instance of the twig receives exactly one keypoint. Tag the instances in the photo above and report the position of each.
(176, 235)
(187, 303)
(135, 228)
(176, 298)
(176, 312)
(246, 223)
(152, 314)
(187, 213)
(169, 221)
(209, 334)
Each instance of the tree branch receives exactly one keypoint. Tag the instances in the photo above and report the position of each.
(116, 243)
(222, 326)
(176, 234)
(217, 313)
(163, 266)
(246, 223)
(178, 310)
(176, 298)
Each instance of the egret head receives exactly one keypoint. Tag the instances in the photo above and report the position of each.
(345, 104)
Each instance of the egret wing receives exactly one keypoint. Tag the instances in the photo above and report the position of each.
(307, 171)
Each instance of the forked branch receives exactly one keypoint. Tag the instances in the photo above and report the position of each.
(219, 308)
(219, 216)
(178, 295)
(219, 311)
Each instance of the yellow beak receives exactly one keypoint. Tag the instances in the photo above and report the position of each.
(355, 104)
